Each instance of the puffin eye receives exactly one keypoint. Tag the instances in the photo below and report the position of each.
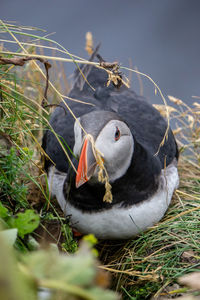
(117, 134)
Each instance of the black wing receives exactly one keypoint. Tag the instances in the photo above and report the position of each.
(145, 122)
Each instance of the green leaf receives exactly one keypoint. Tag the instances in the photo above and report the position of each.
(77, 269)
(25, 222)
(32, 243)
(3, 211)
(13, 283)
(99, 294)
(9, 235)
(91, 239)
(71, 276)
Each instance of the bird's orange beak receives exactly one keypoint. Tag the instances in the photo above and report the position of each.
(87, 164)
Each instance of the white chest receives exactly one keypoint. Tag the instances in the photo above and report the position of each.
(117, 222)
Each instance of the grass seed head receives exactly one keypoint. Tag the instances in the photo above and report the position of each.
(102, 173)
(89, 43)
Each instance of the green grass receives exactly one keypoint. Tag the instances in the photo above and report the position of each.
(141, 267)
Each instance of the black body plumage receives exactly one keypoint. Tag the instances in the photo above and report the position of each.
(147, 127)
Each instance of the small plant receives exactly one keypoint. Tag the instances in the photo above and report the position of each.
(12, 187)
(69, 244)
(51, 274)
(23, 223)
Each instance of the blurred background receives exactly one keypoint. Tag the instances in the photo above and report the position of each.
(160, 38)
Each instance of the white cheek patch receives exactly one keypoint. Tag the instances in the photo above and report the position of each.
(78, 138)
(117, 154)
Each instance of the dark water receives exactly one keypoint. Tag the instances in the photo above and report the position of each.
(161, 38)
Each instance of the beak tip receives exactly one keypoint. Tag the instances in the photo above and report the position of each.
(80, 182)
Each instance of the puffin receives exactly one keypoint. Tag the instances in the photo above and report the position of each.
(117, 133)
